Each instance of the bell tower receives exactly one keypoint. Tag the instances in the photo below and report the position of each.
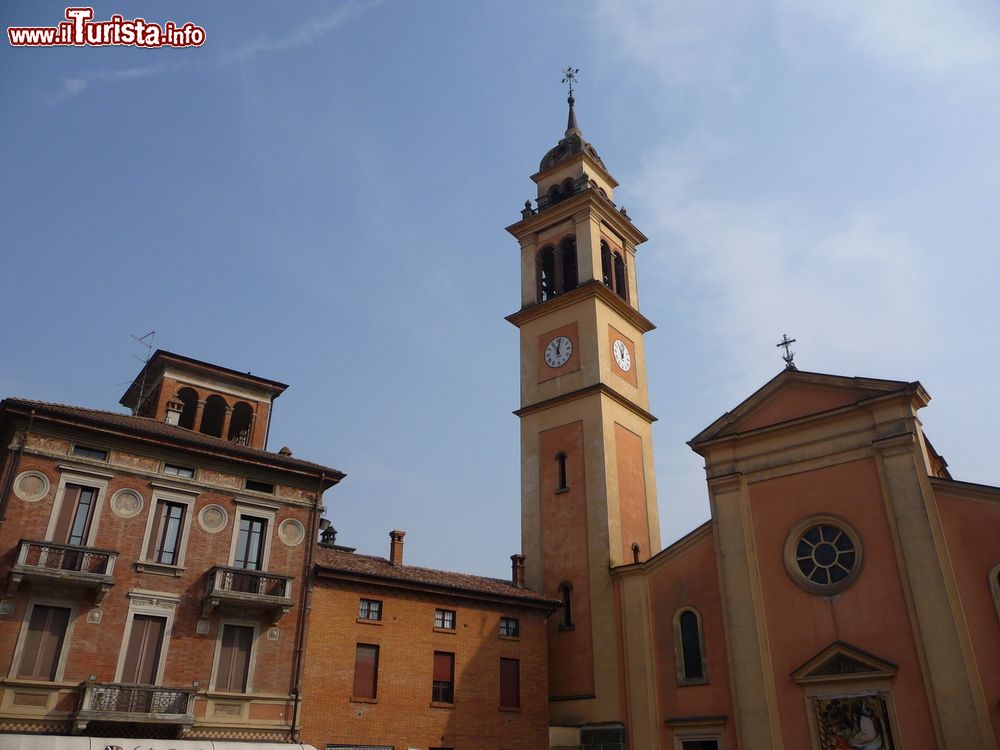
(588, 489)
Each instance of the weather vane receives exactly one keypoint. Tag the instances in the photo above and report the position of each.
(569, 76)
(789, 355)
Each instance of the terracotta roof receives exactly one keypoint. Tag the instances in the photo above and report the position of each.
(144, 426)
(368, 566)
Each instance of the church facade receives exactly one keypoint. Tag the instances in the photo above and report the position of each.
(846, 591)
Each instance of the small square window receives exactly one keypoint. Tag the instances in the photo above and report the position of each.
(178, 471)
(370, 609)
(444, 618)
(267, 487)
(510, 627)
(95, 453)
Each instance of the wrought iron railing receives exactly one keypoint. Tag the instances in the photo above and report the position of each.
(254, 582)
(65, 557)
(105, 699)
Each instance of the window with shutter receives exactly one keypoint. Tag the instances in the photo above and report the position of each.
(366, 672)
(142, 655)
(234, 658)
(510, 683)
(443, 690)
(43, 643)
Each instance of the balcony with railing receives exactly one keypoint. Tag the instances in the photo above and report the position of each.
(135, 704)
(63, 564)
(248, 589)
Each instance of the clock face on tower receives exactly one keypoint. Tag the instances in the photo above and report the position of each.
(622, 356)
(558, 351)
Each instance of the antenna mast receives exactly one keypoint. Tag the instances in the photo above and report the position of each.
(146, 341)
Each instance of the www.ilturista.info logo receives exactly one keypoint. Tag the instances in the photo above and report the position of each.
(79, 29)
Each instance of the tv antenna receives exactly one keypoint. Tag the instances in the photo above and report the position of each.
(146, 341)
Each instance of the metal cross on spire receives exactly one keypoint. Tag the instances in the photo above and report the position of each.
(789, 355)
(569, 77)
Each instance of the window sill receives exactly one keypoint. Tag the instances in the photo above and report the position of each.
(562, 490)
(159, 569)
(509, 710)
(450, 631)
(436, 704)
(692, 681)
(372, 701)
(368, 621)
(510, 637)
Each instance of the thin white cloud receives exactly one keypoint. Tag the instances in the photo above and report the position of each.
(766, 265)
(301, 36)
(923, 37)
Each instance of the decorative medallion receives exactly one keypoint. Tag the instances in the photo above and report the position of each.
(31, 486)
(823, 554)
(291, 532)
(213, 518)
(126, 503)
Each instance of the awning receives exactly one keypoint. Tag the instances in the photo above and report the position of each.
(51, 742)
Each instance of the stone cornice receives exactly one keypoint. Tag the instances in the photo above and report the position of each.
(589, 200)
(587, 290)
(596, 388)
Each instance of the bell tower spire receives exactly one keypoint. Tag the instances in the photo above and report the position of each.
(588, 491)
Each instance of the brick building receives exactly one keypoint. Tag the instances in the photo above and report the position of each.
(406, 657)
(154, 563)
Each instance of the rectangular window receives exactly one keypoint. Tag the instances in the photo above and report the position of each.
(510, 683)
(178, 471)
(164, 543)
(366, 672)
(43, 642)
(234, 658)
(250, 543)
(253, 484)
(510, 627)
(444, 618)
(76, 514)
(370, 609)
(95, 453)
(444, 678)
(142, 655)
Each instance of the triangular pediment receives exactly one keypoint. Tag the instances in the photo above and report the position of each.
(842, 661)
(794, 395)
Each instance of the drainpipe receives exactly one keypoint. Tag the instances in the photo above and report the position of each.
(12, 467)
(305, 599)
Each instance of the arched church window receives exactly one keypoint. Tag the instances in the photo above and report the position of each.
(213, 416)
(561, 472)
(239, 423)
(689, 647)
(188, 397)
(566, 594)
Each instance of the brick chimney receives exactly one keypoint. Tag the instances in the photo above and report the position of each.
(396, 546)
(517, 570)
(174, 408)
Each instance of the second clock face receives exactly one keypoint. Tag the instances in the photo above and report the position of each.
(558, 351)
(622, 356)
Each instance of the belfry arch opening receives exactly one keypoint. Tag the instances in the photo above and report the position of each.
(557, 269)
(213, 416)
(613, 270)
(239, 423)
(188, 397)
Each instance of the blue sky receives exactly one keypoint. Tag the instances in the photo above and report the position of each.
(318, 195)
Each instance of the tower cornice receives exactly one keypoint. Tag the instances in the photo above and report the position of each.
(589, 200)
(586, 290)
(602, 388)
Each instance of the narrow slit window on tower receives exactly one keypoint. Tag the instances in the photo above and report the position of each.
(566, 594)
(561, 472)
(607, 266)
